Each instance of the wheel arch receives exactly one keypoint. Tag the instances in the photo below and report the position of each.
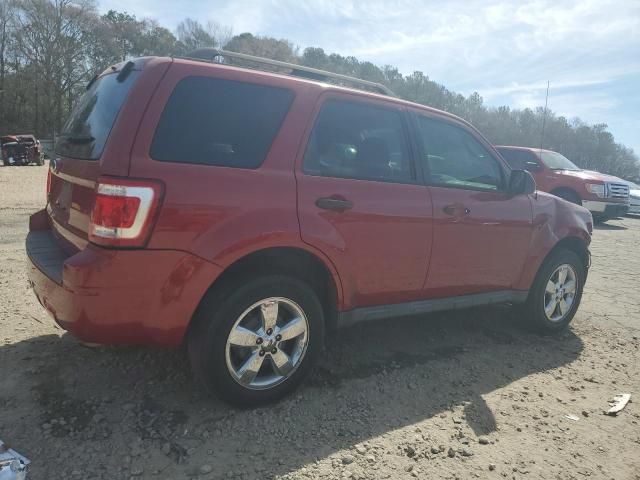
(297, 262)
(576, 245)
(572, 243)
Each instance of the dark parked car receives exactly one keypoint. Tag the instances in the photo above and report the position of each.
(21, 150)
(246, 213)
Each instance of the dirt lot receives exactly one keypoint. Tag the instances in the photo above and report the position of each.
(467, 395)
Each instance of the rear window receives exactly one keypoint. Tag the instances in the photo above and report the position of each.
(211, 121)
(85, 133)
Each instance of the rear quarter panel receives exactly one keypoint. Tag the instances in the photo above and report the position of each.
(222, 214)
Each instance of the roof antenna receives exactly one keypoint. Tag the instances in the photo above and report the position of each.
(544, 116)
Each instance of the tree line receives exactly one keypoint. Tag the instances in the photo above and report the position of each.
(49, 49)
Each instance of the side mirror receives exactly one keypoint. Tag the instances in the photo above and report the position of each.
(532, 166)
(521, 182)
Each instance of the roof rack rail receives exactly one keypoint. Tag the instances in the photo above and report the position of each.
(212, 54)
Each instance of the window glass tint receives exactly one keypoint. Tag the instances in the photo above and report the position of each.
(555, 161)
(352, 140)
(86, 132)
(520, 159)
(212, 121)
(454, 158)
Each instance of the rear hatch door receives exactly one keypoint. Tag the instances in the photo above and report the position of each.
(78, 160)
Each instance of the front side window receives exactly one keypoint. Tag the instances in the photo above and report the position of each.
(454, 158)
(212, 121)
(520, 159)
(354, 140)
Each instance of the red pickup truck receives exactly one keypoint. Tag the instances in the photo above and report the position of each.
(603, 195)
(245, 213)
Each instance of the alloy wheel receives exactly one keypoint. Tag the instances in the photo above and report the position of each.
(267, 343)
(560, 292)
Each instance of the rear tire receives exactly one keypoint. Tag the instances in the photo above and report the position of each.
(224, 362)
(550, 308)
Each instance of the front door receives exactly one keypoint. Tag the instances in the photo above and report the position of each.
(360, 201)
(481, 234)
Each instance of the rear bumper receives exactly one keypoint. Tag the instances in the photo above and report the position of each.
(144, 297)
(606, 209)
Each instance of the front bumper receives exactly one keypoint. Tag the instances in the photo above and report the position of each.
(606, 209)
(634, 206)
(143, 297)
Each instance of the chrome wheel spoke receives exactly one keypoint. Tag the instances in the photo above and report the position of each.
(570, 286)
(269, 313)
(550, 307)
(562, 275)
(551, 287)
(564, 306)
(293, 329)
(282, 363)
(247, 373)
(243, 337)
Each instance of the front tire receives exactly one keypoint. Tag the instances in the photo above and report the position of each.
(556, 292)
(255, 341)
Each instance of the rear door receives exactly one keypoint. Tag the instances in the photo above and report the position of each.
(360, 201)
(481, 234)
(83, 152)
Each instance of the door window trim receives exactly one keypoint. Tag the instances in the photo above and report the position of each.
(356, 98)
(422, 152)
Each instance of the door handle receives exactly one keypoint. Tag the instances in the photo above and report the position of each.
(454, 210)
(336, 204)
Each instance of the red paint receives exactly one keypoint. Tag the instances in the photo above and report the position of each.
(126, 296)
(481, 250)
(394, 245)
(548, 180)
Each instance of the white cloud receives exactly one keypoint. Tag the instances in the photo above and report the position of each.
(504, 49)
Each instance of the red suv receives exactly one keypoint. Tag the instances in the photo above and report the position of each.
(604, 195)
(246, 213)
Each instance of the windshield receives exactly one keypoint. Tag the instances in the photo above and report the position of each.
(555, 161)
(86, 132)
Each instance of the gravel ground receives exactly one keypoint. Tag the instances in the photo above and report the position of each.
(455, 396)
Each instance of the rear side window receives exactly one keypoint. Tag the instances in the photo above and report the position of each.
(454, 158)
(354, 140)
(86, 132)
(211, 121)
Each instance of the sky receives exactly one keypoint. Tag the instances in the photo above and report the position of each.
(506, 50)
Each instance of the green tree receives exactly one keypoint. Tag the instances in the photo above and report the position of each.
(268, 47)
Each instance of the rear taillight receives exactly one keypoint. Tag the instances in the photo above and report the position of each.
(124, 212)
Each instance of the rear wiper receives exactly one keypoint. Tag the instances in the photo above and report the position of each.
(80, 139)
